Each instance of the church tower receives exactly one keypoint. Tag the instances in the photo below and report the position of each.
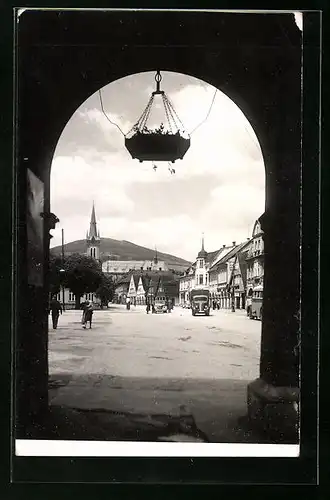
(201, 274)
(93, 239)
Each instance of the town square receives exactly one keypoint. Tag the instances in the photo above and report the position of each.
(135, 363)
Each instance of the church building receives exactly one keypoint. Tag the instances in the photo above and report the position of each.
(93, 241)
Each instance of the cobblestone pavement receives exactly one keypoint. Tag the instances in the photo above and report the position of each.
(165, 364)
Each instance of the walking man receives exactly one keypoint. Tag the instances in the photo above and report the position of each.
(55, 310)
(128, 303)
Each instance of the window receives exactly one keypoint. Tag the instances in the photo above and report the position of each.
(59, 296)
(201, 279)
(71, 297)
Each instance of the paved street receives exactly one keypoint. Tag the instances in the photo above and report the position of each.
(170, 364)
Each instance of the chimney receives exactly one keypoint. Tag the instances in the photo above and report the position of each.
(248, 239)
(234, 243)
(223, 246)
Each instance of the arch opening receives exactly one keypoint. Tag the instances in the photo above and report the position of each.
(217, 189)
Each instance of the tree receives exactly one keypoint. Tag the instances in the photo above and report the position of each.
(82, 275)
(106, 290)
(55, 275)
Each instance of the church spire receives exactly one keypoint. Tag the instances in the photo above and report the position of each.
(93, 239)
(92, 227)
(202, 253)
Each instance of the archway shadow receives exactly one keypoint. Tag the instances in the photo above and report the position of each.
(107, 408)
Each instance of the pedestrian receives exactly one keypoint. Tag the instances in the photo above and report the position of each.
(55, 309)
(87, 314)
(153, 309)
(249, 303)
(148, 307)
(128, 303)
(218, 304)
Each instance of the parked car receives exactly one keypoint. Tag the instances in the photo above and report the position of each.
(160, 306)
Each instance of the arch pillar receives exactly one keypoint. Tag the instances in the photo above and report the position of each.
(273, 397)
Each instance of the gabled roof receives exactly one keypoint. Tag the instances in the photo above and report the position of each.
(230, 254)
(211, 256)
(136, 279)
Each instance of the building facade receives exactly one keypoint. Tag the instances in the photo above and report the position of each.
(228, 273)
(147, 285)
(255, 259)
(197, 275)
(118, 268)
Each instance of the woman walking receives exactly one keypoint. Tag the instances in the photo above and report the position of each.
(87, 314)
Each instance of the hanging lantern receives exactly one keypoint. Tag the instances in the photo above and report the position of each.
(162, 143)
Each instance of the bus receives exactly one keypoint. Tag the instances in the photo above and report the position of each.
(256, 303)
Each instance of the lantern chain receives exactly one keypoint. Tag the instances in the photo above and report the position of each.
(173, 112)
(145, 115)
(167, 113)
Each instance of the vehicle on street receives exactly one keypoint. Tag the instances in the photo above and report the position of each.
(200, 302)
(256, 303)
(160, 306)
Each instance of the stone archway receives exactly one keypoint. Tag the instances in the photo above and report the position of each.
(64, 57)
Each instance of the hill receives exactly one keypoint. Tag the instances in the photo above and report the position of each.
(123, 250)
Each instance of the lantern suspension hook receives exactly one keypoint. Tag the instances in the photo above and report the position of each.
(158, 79)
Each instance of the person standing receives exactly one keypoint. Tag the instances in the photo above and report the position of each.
(148, 306)
(55, 310)
(128, 303)
(87, 314)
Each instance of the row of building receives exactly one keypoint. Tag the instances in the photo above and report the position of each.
(231, 272)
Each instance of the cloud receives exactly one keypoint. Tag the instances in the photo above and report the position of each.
(76, 183)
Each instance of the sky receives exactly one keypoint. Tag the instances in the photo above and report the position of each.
(217, 189)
